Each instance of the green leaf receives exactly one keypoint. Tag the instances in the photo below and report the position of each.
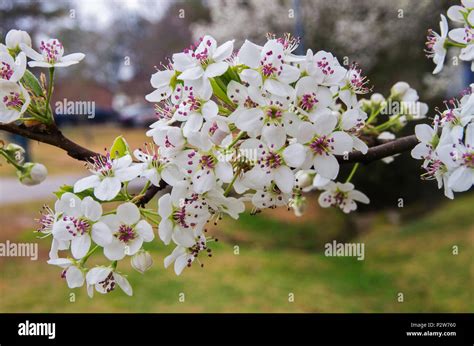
(119, 148)
(86, 193)
(219, 92)
(30, 81)
(68, 188)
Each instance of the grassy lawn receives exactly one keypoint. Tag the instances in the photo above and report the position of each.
(278, 255)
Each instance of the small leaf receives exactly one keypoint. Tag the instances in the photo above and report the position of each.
(68, 188)
(30, 81)
(119, 148)
(219, 92)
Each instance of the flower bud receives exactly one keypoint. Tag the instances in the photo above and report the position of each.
(386, 136)
(298, 203)
(377, 98)
(400, 88)
(15, 151)
(32, 173)
(15, 37)
(304, 179)
(141, 261)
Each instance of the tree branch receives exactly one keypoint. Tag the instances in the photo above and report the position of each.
(380, 151)
(54, 137)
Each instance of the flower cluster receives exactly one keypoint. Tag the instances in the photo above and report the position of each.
(21, 96)
(29, 173)
(463, 37)
(447, 147)
(261, 123)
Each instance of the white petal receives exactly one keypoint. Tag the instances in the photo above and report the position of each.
(249, 54)
(178, 251)
(203, 181)
(216, 69)
(325, 124)
(91, 209)
(128, 213)
(69, 204)
(327, 166)
(133, 247)
(115, 251)
(324, 199)
(461, 179)
(224, 171)
(289, 74)
(74, 277)
(60, 262)
(184, 237)
(193, 124)
(192, 73)
(97, 274)
(224, 51)
(31, 53)
(101, 234)
(145, 230)
(123, 284)
(80, 246)
(165, 206)
(248, 119)
(74, 57)
(108, 188)
(210, 110)
(342, 143)
(128, 173)
(358, 196)
(165, 230)
(420, 151)
(424, 133)
(360, 145)
(284, 179)
(294, 155)
(274, 136)
(277, 88)
(181, 263)
(86, 183)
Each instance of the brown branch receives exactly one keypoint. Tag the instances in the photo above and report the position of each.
(380, 151)
(53, 136)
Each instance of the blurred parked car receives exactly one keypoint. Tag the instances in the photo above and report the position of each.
(100, 116)
(137, 115)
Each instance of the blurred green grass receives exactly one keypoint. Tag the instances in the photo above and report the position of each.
(279, 255)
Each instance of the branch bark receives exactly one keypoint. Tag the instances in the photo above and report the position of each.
(381, 151)
(55, 137)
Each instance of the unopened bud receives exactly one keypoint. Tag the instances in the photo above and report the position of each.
(298, 203)
(304, 179)
(15, 37)
(15, 151)
(32, 173)
(377, 98)
(399, 89)
(141, 261)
